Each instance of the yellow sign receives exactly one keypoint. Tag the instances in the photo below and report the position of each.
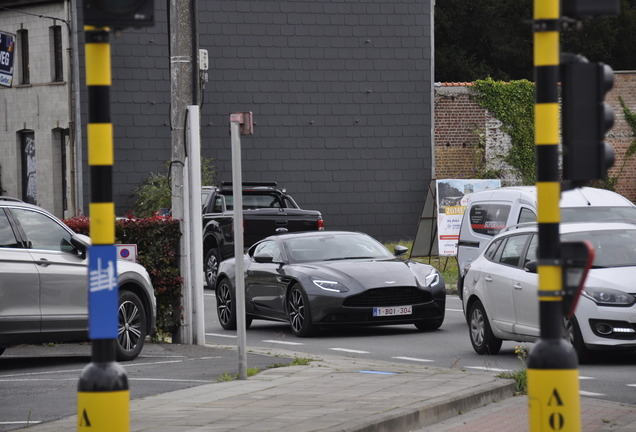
(554, 401)
(103, 411)
(459, 210)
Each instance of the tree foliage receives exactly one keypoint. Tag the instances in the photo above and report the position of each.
(493, 38)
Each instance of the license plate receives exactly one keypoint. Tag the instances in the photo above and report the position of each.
(388, 311)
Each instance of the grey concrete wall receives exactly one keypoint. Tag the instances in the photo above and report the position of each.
(340, 91)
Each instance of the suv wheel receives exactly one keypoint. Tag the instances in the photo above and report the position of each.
(132, 326)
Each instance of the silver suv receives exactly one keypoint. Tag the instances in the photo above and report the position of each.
(44, 284)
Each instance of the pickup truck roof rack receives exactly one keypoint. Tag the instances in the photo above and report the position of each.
(228, 184)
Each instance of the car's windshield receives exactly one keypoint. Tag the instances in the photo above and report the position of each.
(597, 214)
(612, 248)
(326, 247)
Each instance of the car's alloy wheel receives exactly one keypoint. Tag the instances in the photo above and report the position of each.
(211, 267)
(132, 326)
(299, 313)
(572, 334)
(481, 336)
(225, 305)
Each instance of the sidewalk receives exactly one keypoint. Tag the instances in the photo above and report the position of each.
(352, 395)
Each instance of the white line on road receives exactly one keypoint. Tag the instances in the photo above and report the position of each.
(584, 377)
(454, 310)
(221, 335)
(488, 369)
(413, 359)
(584, 393)
(349, 350)
(283, 342)
(170, 380)
(20, 422)
(631, 385)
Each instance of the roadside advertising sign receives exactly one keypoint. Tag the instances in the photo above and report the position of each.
(452, 197)
(7, 48)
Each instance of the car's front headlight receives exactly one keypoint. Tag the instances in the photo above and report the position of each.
(327, 285)
(432, 278)
(608, 296)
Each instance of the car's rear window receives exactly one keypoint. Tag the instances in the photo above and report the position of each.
(489, 219)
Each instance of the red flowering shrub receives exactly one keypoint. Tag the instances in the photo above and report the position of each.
(157, 241)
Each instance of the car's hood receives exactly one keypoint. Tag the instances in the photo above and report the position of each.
(371, 273)
(620, 278)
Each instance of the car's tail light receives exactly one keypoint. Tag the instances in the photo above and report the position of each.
(321, 224)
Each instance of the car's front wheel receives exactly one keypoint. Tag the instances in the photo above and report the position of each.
(212, 261)
(572, 333)
(132, 326)
(481, 335)
(226, 304)
(299, 313)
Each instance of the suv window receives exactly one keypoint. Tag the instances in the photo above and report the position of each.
(489, 219)
(43, 232)
(7, 238)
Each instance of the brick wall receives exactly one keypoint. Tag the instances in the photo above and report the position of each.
(457, 117)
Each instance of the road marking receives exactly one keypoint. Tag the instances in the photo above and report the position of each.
(488, 369)
(349, 350)
(283, 342)
(413, 359)
(170, 380)
(584, 377)
(20, 422)
(584, 393)
(221, 335)
(631, 385)
(455, 310)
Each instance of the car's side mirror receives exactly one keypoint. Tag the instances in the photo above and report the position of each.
(264, 258)
(400, 250)
(80, 244)
(531, 267)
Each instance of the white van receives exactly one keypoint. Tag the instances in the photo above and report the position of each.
(488, 212)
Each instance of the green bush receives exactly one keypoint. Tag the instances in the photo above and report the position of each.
(157, 241)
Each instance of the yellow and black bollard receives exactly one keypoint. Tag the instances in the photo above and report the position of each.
(553, 381)
(103, 396)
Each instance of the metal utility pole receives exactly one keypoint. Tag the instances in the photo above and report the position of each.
(553, 376)
(240, 123)
(184, 90)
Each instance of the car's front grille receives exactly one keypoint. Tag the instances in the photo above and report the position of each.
(390, 296)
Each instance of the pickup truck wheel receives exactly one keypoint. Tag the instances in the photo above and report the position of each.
(226, 305)
(211, 267)
(132, 326)
(299, 313)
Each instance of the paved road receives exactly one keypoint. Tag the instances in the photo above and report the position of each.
(39, 382)
(610, 377)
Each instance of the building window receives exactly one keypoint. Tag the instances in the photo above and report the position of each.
(57, 73)
(27, 153)
(23, 41)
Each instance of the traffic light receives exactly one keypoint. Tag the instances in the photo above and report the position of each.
(119, 14)
(589, 8)
(586, 119)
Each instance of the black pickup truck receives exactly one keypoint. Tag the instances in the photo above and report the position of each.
(266, 211)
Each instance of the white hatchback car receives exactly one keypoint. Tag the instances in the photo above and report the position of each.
(501, 290)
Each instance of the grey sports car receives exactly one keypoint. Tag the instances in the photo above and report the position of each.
(325, 278)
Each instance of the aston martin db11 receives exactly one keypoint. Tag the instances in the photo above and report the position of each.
(323, 278)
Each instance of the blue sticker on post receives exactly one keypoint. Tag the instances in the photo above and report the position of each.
(102, 292)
